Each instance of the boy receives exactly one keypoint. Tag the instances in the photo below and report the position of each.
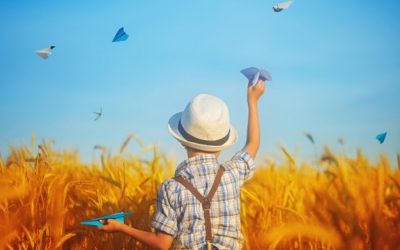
(200, 207)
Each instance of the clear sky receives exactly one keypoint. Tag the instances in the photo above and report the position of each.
(335, 68)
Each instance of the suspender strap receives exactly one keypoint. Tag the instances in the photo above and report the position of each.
(205, 201)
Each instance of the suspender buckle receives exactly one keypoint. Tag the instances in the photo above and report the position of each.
(206, 204)
(209, 245)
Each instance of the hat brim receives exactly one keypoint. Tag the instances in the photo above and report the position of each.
(173, 124)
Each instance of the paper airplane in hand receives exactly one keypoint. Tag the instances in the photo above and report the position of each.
(120, 36)
(282, 6)
(96, 222)
(44, 53)
(381, 137)
(254, 74)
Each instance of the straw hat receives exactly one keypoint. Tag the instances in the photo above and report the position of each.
(204, 124)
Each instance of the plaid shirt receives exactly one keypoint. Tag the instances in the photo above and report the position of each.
(180, 214)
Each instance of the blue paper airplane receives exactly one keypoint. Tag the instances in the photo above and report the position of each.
(254, 74)
(120, 36)
(96, 222)
(381, 137)
(309, 136)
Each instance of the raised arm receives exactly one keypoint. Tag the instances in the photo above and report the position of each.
(254, 92)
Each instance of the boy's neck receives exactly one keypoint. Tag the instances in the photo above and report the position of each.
(192, 153)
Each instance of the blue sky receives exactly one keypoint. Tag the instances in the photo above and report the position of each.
(335, 68)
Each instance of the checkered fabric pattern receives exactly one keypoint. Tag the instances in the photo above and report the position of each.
(180, 214)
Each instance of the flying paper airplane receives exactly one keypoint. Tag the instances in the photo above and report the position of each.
(381, 137)
(254, 74)
(98, 114)
(309, 136)
(282, 6)
(120, 36)
(96, 222)
(44, 53)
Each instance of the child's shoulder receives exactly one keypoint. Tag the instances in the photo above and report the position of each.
(168, 186)
(168, 192)
(239, 158)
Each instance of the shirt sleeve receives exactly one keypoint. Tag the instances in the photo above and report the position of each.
(164, 218)
(243, 163)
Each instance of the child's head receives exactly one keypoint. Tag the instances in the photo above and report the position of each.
(204, 125)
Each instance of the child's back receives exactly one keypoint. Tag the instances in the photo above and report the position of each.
(196, 209)
(180, 214)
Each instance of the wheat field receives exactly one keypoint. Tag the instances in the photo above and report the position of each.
(345, 203)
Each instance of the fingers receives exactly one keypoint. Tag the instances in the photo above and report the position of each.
(106, 226)
(254, 92)
(104, 222)
(260, 85)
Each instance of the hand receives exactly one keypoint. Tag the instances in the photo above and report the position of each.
(254, 92)
(111, 226)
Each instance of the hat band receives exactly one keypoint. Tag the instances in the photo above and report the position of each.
(191, 138)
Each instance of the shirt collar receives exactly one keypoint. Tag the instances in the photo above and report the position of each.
(189, 165)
